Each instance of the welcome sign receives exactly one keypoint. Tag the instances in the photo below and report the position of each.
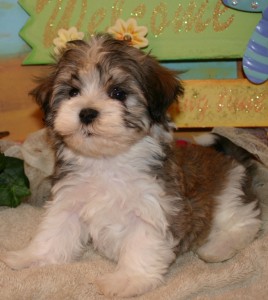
(185, 29)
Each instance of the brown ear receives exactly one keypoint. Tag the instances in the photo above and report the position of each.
(162, 88)
(43, 92)
(44, 89)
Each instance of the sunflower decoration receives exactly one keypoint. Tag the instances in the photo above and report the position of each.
(130, 32)
(65, 36)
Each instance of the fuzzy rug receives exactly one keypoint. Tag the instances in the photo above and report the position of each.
(245, 276)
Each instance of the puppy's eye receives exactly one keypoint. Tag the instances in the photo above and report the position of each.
(73, 92)
(118, 94)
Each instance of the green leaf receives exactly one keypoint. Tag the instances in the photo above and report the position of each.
(14, 185)
(2, 162)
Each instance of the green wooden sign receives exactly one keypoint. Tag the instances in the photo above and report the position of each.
(185, 29)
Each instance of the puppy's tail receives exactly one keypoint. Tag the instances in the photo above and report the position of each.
(227, 147)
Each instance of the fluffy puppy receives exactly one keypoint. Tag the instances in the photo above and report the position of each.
(119, 180)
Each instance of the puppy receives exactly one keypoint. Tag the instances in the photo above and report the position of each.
(119, 180)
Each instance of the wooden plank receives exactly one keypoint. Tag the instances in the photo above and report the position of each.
(204, 69)
(19, 114)
(20, 122)
(210, 103)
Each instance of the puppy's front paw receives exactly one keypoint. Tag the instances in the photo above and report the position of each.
(18, 260)
(122, 284)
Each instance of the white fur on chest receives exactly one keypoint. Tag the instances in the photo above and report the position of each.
(111, 195)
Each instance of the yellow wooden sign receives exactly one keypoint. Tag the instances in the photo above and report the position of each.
(211, 103)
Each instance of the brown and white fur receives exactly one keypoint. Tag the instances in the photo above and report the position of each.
(119, 180)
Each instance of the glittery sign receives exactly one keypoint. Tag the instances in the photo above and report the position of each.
(210, 103)
(186, 29)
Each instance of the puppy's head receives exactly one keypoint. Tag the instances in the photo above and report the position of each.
(103, 96)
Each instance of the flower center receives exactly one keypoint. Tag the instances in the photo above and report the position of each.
(127, 37)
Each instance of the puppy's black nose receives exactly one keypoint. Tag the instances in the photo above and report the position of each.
(87, 115)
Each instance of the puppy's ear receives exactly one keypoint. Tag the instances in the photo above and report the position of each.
(162, 88)
(43, 92)
(67, 56)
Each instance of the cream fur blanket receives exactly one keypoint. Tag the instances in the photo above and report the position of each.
(245, 276)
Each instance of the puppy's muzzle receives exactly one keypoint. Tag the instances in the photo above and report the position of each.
(87, 115)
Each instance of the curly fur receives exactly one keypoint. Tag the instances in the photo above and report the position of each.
(119, 180)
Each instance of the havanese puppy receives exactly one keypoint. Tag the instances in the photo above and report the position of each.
(119, 179)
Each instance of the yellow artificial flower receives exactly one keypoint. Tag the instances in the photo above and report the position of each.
(65, 36)
(129, 31)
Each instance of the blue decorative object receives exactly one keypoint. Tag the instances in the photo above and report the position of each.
(247, 5)
(255, 59)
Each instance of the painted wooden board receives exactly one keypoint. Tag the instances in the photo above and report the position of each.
(12, 19)
(186, 29)
(204, 69)
(211, 103)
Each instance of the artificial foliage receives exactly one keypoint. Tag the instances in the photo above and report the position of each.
(14, 184)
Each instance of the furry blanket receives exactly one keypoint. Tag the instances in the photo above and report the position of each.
(245, 276)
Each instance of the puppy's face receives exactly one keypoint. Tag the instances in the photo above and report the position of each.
(103, 96)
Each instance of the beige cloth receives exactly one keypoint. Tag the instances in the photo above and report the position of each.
(38, 157)
(245, 276)
(250, 139)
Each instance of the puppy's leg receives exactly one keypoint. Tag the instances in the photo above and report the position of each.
(144, 258)
(223, 245)
(59, 239)
(235, 224)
